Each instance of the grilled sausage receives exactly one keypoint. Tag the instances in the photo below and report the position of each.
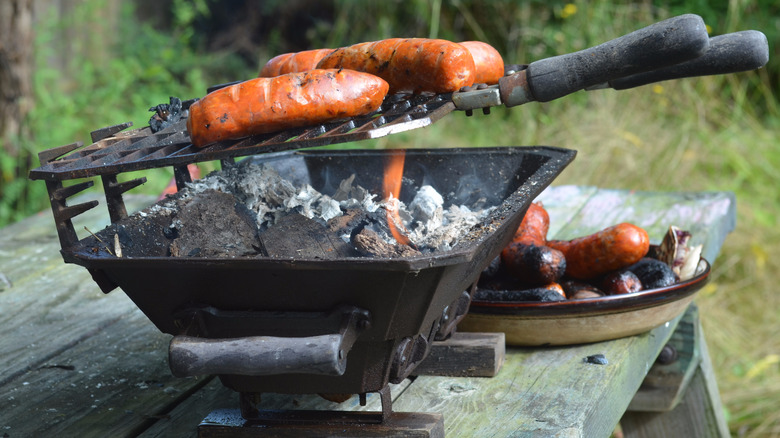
(412, 65)
(556, 287)
(576, 290)
(487, 61)
(527, 257)
(265, 105)
(539, 294)
(620, 282)
(534, 265)
(534, 226)
(608, 250)
(653, 273)
(293, 62)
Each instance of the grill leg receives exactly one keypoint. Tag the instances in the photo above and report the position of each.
(387, 403)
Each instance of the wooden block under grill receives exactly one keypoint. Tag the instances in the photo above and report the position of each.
(465, 355)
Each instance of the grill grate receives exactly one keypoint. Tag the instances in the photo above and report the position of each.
(141, 149)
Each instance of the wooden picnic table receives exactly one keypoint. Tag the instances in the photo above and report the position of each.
(77, 362)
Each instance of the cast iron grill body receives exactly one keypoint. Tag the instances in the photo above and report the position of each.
(408, 299)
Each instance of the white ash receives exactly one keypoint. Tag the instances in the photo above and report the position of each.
(260, 187)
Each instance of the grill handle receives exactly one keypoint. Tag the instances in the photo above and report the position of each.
(729, 53)
(256, 356)
(324, 354)
(659, 45)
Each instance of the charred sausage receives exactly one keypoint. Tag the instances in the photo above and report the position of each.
(577, 290)
(620, 282)
(487, 61)
(610, 249)
(412, 65)
(528, 257)
(539, 294)
(534, 265)
(293, 62)
(265, 105)
(653, 273)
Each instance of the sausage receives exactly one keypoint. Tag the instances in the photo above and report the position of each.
(533, 265)
(620, 282)
(610, 249)
(265, 105)
(411, 65)
(556, 287)
(294, 62)
(653, 273)
(534, 226)
(487, 61)
(538, 294)
(527, 257)
(577, 290)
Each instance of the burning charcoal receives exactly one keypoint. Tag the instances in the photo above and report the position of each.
(166, 114)
(344, 190)
(213, 224)
(538, 294)
(653, 273)
(344, 225)
(295, 235)
(427, 206)
(369, 243)
(138, 237)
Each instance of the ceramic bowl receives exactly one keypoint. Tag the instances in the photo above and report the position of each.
(587, 320)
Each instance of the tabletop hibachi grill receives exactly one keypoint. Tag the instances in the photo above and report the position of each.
(347, 324)
(350, 325)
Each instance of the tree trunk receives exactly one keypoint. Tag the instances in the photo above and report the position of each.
(16, 61)
(16, 99)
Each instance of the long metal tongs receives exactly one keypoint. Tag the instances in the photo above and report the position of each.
(674, 48)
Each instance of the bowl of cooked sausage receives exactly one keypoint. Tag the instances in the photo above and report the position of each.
(606, 285)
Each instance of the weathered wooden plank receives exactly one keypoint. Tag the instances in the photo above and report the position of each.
(115, 382)
(542, 392)
(465, 355)
(709, 216)
(49, 305)
(182, 421)
(698, 415)
(665, 383)
(72, 359)
(564, 203)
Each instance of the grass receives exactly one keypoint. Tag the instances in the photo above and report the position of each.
(714, 133)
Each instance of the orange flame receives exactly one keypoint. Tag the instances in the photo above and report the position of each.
(394, 171)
